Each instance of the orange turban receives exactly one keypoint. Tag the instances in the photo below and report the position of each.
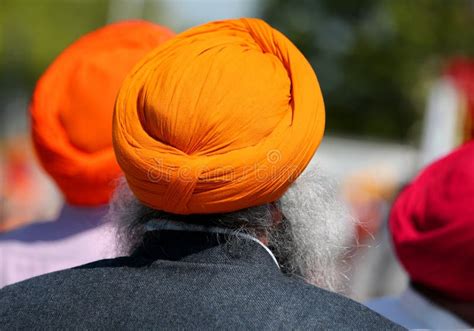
(72, 108)
(222, 117)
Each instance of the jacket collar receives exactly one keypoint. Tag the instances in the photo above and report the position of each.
(174, 241)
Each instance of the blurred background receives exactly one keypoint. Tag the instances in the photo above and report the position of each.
(389, 71)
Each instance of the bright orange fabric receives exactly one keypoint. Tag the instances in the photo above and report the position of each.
(72, 106)
(222, 117)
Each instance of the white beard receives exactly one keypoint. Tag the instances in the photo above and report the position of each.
(322, 229)
(313, 244)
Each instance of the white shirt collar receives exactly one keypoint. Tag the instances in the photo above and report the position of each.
(154, 225)
(430, 314)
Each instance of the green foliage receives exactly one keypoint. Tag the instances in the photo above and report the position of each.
(34, 32)
(373, 58)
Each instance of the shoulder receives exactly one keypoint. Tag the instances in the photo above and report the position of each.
(57, 283)
(98, 288)
(31, 302)
(317, 306)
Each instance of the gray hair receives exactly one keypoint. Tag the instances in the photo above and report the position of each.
(309, 236)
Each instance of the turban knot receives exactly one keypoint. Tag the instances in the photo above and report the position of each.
(222, 117)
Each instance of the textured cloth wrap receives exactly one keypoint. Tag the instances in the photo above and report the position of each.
(222, 117)
(432, 225)
(72, 107)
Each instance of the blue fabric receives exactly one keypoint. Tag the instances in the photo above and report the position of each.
(414, 311)
(71, 221)
(182, 280)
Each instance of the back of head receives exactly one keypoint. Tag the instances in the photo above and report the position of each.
(212, 128)
(432, 225)
(72, 106)
(223, 117)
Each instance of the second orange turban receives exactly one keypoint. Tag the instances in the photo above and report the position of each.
(72, 106)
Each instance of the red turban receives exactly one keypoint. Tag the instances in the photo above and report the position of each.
(222, 117)
(432, 225)
(72, 108)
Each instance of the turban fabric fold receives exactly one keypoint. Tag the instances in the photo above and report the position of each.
(222, 117)
(72, 107)
(432, 225)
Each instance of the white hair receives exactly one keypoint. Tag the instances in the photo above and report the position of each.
(311, 240)
(321, 227)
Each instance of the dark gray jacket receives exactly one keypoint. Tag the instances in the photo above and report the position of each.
(181, 280)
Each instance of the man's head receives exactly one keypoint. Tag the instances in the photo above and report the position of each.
(212, 128)
(72, 106)
(222, 117)
(432, 226)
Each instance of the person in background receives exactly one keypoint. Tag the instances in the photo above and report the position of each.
(211, 129)
(26, 194)
(432, 227)
(71, 121)
(449, 115)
